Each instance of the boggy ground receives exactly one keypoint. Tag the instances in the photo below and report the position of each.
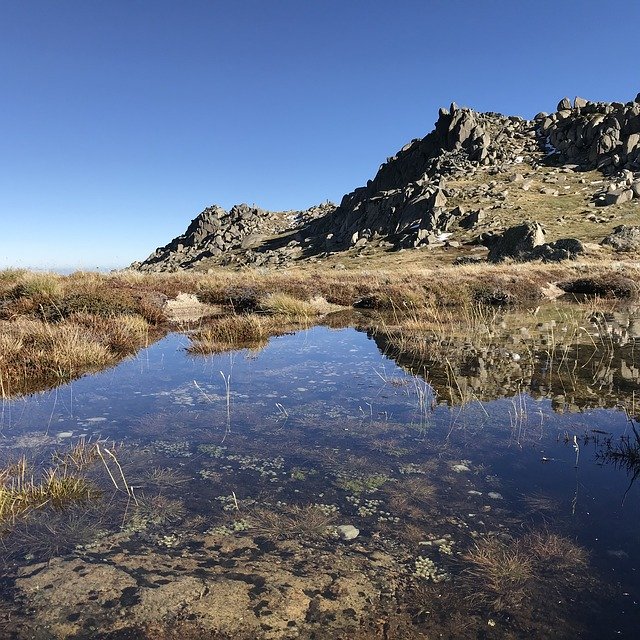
(54, 328)
(251, 567)
(145, 567)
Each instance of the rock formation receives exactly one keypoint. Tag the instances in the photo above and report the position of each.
(414, 200)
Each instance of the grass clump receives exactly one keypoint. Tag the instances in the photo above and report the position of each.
(308, 522)
(24, 488)
(36, 354)
(507, 574)
(250, 331)
(285, 305)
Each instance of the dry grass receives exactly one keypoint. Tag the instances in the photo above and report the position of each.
(35, 354)
(291, 308)
(54, 328)
(505, 574)
(308, 522)
(248, 331)
(24, 488)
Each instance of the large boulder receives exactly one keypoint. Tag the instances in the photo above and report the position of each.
(624, 238)
(517, 242)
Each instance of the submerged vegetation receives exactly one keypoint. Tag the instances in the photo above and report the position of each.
(232, 491)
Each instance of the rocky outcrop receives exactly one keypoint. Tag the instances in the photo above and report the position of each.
(413, 200)
(406, 202)
(526, 242)
(215, 233)
(517, 242)
(594, 135)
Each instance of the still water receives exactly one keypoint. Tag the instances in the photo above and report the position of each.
(492, 514)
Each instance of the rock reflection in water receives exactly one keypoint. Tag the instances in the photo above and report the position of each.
(463, 530)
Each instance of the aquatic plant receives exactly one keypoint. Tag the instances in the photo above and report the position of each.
(500, 573)
(358, 484)
(290, 522)
(56, 533)
(505, 573)
(165, 477)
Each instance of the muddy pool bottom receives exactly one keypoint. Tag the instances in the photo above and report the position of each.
(316, 489)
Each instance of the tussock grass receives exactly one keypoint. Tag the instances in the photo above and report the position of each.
(24, 488)
(308, 522)
(35, 354)
(90, 320)
(285, 305)
(504, 574)
(248, 331)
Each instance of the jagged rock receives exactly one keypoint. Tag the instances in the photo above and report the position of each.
(404, 205)
(517, 242)
(564, 104)
(624, 238)
(472, 219)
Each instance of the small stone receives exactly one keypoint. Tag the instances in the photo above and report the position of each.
(348, 532)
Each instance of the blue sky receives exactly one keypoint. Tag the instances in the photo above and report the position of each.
(121, 120)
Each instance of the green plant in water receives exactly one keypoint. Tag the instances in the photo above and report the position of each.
(357, 485)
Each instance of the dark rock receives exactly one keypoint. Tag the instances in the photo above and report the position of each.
(517, 242)
(472, 219)
(611, 285)
(619, 196)
(566, 249)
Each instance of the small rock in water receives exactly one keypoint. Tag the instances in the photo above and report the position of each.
(348, 532)
(460, 468)
(65, 434)
(494, 495)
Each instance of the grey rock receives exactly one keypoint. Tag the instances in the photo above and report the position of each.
(566, 249)
(624, 239)
(564, 104)
(347, 532)
(579, 103)
(619, 196)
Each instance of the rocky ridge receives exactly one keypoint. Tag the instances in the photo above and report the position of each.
(414, 201)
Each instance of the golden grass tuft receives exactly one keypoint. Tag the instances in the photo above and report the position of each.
(24, 489)
(283, 304)
(247, 331)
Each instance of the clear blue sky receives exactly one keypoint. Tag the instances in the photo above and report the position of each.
(121, 120)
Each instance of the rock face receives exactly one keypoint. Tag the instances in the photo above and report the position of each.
(413, 202)
(216, 232)
(406, 202)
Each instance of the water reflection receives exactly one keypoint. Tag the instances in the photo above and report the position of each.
(471, 480)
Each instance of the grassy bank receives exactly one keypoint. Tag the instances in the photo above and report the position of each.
(55, 328)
